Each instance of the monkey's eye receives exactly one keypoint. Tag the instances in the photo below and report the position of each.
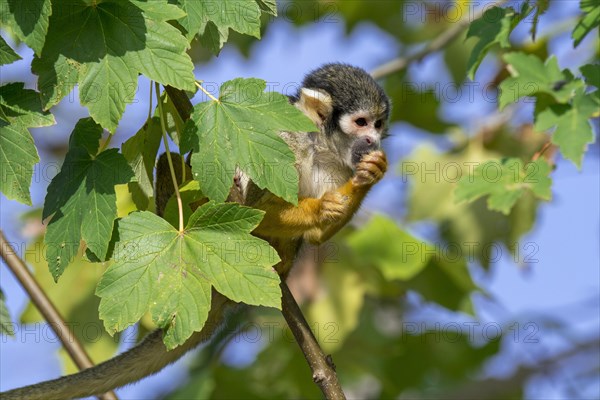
(360, 122)
(378, 124)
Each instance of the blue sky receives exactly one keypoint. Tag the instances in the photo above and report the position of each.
(567, 235)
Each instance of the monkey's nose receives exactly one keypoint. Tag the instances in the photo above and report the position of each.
(363, 145)
(370, 142)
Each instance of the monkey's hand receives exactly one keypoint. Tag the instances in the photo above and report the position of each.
(370, 169)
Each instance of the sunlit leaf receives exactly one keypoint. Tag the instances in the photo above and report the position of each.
(504, 182)
(573, 130)
(82, 198)
(241, 129)
(530, 76)
(140, 152)
(20, 109)
(406, 258)
(470, 228)
(212, 20)
(590, 20)
(591, 73)
(28, 20)
(6, 326)
(170, 274)
(105, 48)
(494, 27)
(7, 54)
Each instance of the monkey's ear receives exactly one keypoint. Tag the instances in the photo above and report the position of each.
(316, 104)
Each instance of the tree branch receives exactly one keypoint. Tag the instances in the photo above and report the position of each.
(494, 388)
(321, 365)
(47, 309)
(438, 43)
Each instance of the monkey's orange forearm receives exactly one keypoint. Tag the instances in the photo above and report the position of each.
(283, 219)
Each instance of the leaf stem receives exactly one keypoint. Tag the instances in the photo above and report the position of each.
(47, 309)
(106, 143)
(168, 151)
(183, 169)
(150, 102)
(213, 98)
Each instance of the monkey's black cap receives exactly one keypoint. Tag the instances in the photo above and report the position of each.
(351, 88)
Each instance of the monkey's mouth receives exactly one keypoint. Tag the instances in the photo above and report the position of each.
(356, 156)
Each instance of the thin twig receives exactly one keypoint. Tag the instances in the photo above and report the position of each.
(496, 388)
(47, 309)
(321, 365)
(541, 152)
(434, 45)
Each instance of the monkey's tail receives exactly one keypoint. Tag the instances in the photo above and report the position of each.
(147, 358)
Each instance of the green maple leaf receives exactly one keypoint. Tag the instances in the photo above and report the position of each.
(82, 198)
(20, 109)
(212, 20)
(494, 27)
(104, 48)
(417, 106)
(529, 77)
(170, 273)
(7, 54)
(6, 326)
(159, 10)
(241, 130)
(589, 21)
(505, 182)
(432, 199)
(140, 151)
(591, 73)
(573, 126)
(268, 6)
(420, 266)
(28, 20)
(403, 261)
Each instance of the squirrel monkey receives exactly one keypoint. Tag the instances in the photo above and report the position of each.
(337, 166)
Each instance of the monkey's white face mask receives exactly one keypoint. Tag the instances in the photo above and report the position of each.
(362, 130)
